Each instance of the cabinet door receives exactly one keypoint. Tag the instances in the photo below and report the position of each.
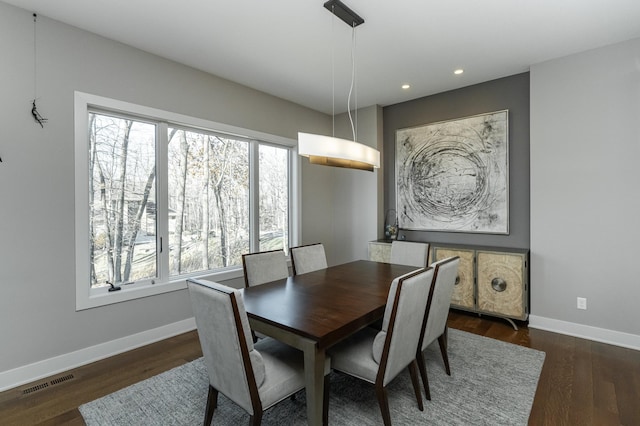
(501, 283)
(379, 252)
(463, 292)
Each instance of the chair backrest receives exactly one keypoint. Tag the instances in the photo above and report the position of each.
(445, 272)
(264, 267)
(235, 368)
(308, 258)
(395, 346)
(410, 253)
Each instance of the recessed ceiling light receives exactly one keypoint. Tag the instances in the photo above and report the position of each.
(406, 86)
(458, 71)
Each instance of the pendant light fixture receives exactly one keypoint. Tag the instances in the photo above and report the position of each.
(329, 150)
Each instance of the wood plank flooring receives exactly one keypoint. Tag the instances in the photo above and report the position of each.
(582, 382)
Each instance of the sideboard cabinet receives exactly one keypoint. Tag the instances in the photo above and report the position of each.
(380, 251)
(491, 280)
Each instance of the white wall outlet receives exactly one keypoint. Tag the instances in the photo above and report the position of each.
(582, 303)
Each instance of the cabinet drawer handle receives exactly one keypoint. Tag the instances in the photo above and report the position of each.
(499, 284)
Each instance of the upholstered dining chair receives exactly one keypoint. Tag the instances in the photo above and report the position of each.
(378, 356)
(308, 258)
(264, 267)
(410, 253)
(435, 320)
(255, 377)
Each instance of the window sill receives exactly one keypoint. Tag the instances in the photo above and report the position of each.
(94, 298)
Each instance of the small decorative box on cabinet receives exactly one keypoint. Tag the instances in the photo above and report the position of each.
(491, 280)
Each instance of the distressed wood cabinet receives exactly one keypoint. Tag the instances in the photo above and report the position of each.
(491, 280)
(464, 292)
(380, 251)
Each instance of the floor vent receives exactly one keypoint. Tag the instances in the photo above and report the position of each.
(45, 385)
(35, 388)
(61, 379)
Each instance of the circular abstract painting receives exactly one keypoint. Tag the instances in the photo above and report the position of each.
(453, 175)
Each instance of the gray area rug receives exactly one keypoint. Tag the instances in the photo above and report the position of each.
(491, 383)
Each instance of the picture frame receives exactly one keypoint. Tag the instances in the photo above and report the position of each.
(453, 175)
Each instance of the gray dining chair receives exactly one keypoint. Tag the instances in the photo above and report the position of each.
(378, 356)
(264, 267)
(255, 377)
(308, 258)
(435, 320)
(410, 253)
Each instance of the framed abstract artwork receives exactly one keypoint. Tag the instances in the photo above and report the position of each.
(454, 175)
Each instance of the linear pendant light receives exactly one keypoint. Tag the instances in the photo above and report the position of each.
(336, 152)
(329, 150)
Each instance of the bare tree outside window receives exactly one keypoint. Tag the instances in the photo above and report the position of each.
(121, 186)
(208, 201)
(274, 198)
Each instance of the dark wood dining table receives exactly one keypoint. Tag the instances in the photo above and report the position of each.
(314, 311)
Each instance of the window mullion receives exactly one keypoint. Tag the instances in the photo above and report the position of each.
(254, 196)
(162, 213)
(295, 198)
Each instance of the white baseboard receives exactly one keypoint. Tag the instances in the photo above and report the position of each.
(602, 335)
(38, 370)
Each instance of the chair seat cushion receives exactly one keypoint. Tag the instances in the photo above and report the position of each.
(355, 355)
(284, 371)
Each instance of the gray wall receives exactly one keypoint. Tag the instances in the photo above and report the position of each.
(577, 206)
(510, 93)
(355, 194)
(585, 201)
(38, 320)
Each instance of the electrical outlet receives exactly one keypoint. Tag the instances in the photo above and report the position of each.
(582, 303)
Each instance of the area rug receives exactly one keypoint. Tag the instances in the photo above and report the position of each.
(491, 383)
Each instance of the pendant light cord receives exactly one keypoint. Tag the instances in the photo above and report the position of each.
(34, 109)
(353, 78)
(333, 74)
(35, 64)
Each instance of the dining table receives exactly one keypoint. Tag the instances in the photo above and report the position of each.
(316, 310)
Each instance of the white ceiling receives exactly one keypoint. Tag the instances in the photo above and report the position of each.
(284, 47)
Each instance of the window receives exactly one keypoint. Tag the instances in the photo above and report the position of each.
(122, 175)
(208, 201)
(161, 197)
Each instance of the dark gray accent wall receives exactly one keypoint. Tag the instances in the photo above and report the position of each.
(510, 93)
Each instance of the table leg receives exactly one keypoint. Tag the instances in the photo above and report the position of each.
(314, 360)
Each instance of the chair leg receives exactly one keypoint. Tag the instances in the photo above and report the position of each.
(423, 372)
(442, 342)
(325, 401)
(413, 370)
(256, 419)
(383, 401)
(212, 404)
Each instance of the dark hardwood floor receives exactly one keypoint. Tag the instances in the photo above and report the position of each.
(582, 382)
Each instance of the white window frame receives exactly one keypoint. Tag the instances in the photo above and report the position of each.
(87, 297)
